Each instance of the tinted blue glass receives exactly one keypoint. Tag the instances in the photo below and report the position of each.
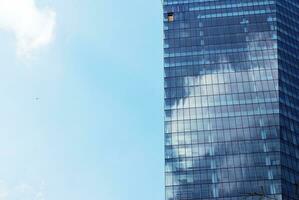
(231, 99)
(288, 64)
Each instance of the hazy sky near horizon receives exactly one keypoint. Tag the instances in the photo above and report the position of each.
(81, 100)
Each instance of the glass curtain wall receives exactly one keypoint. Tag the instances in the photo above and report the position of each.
(222, 119)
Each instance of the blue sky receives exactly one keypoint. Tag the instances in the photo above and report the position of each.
(81, 101)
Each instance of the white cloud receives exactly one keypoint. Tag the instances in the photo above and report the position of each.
(3, 190)
(22, 191)
(33, 27)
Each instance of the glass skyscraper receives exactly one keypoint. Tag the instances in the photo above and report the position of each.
(231, 99)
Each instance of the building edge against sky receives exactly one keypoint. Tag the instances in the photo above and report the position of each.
(231, 99)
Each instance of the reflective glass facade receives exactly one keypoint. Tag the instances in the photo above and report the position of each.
(231, 99)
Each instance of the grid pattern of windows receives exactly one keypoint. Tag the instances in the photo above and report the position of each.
(231, 99)
(288, 64)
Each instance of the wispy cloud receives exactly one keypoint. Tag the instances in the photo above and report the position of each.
(21, 191)
(33, 27)
(3, 190)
